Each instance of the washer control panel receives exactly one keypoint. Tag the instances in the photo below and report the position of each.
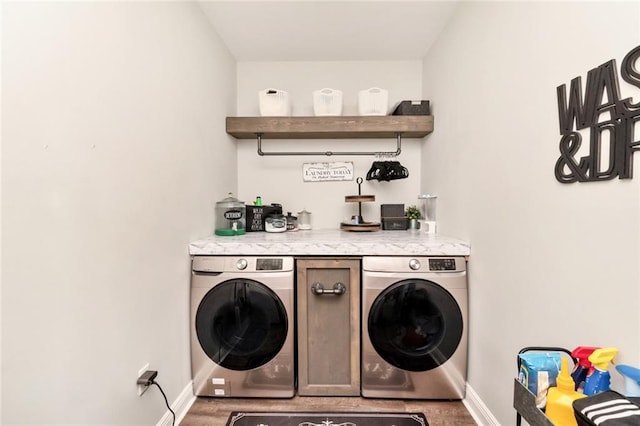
(443, 264)
(245, 265)
(269, 264)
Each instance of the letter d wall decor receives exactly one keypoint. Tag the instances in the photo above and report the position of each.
(607, 118)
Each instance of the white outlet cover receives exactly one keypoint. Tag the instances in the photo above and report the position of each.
(141, 388)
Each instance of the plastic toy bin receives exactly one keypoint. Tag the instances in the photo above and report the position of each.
(274, 102)
(327, 102)
(373, 101)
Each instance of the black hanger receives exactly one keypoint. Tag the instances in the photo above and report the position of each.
(387, 171)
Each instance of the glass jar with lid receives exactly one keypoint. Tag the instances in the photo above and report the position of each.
(230, 216)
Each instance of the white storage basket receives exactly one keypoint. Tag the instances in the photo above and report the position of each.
(327, 102)
(373, 101)
(274, 102)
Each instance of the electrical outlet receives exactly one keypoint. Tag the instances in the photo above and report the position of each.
(142, 388)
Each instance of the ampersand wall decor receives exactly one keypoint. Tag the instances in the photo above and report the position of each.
(607, 118)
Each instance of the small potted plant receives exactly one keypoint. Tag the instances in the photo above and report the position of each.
(413, 215)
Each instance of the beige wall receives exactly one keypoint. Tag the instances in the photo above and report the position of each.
(112, 124)
(551, 264)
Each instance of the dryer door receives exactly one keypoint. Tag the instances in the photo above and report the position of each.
(241, 324)
(415, 325)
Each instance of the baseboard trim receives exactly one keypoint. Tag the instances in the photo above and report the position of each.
(478, 410)
(180, 406)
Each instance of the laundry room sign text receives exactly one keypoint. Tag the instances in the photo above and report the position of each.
(322, 172)
(607, 119)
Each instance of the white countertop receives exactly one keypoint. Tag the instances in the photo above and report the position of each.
(332, 242)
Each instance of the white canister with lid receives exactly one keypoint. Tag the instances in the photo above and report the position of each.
(275, 223)
(304, 220)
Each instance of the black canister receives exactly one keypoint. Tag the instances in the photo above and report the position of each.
(292, 222)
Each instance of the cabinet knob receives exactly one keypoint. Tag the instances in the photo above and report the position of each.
(318, 289)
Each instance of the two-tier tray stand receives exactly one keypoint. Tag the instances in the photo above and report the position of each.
(358, 224)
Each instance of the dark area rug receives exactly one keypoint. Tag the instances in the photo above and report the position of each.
(326, 419)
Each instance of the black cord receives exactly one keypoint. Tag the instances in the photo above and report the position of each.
(153, 382)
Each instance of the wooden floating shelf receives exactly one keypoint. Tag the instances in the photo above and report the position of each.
(334, 127)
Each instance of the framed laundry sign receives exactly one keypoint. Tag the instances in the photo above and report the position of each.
(325, 172)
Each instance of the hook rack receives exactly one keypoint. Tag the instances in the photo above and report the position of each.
(330, 153)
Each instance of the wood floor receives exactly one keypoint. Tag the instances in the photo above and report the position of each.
(215, 411)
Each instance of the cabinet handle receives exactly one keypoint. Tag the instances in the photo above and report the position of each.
(318, 289)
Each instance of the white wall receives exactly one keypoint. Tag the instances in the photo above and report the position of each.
(1, 119)
(279, 179)
(112, 124)
(551, 264)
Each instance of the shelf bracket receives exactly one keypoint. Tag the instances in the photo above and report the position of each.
(330, 153)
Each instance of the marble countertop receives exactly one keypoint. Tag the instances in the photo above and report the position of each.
(332, 242)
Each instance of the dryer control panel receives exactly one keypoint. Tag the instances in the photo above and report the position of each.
(414, 265)
(443, 264)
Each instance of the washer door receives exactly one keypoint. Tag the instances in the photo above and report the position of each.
(415, 325)
(241, 324)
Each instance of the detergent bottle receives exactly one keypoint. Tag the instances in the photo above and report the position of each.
(582, 367)
(560, 398)
(599, 379)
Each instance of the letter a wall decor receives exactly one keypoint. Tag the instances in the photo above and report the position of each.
(606, 117)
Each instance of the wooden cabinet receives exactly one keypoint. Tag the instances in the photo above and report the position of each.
(328, 326)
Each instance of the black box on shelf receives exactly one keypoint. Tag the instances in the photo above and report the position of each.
(392, 217)
(257, 214)
(391, 210)
(412, 108)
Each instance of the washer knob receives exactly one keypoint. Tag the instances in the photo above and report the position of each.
(414, 264)
(241, 264)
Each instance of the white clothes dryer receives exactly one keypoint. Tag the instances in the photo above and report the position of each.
(414, 327)
(242, 330)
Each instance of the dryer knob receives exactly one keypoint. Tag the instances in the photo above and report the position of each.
(241, 264)
(414, 264)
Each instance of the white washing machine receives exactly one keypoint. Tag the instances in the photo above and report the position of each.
(242, 333)
(414, 327)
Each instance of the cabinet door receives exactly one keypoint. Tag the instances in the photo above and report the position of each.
(328, 326)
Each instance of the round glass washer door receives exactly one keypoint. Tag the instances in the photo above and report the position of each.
(241, 324)
(415, 325)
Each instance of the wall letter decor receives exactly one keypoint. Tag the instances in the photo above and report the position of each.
(607, 118)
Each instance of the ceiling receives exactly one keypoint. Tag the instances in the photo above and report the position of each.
(315, 30)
